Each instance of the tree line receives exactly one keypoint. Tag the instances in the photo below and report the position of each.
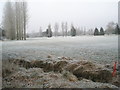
(112, 28)
(15, 20)
(62, 30)
(116, 30)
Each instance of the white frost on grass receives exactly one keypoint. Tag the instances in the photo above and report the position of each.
(97, 48)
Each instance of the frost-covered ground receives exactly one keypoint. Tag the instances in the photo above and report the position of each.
(66, 51)
(96, 48)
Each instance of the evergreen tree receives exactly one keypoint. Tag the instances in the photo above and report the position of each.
(49, 31)
(101, 31)
(117, 29)
(96, 32)
(73, 31)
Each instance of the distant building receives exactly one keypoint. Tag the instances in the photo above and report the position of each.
(119, 13)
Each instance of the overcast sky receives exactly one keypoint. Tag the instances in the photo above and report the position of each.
(81, 13)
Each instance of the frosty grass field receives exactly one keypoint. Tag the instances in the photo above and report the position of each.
(103, 49)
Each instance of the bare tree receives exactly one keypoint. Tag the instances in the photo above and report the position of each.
(110, 28)
(15, 20)
(25, 17)
(9, 21)
(66, 28)
(78, 31)
(56, 27)
(62, 26)
(21, 19)
(84, 31)
(90, 32)
(40, 31)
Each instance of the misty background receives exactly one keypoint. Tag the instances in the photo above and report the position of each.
(80, 13)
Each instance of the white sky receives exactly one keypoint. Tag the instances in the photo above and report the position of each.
(82, 13)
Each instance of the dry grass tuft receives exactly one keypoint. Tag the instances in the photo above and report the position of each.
(8, 68)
